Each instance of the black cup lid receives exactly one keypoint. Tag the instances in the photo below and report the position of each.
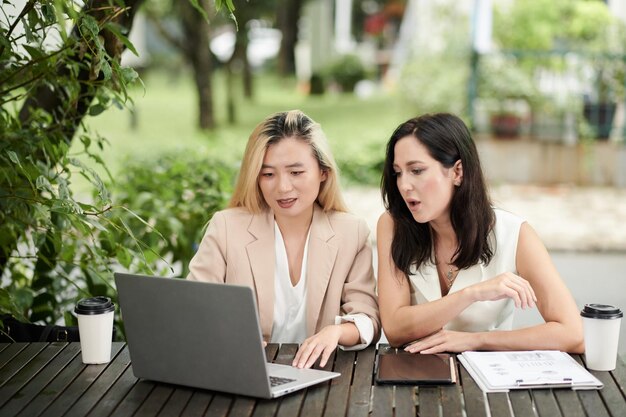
(601, 311)
(94, 305)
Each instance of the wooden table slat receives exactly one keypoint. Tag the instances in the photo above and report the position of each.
(102, 384)
(522, 403)
(361, 389)
(79, 385)
(499, 404)
(9, 351)
(271, 351)
(315, 399)
(339, 392)
(451, 401)
(220, 405)
(475, 399)
(611, 394)
(33, 388)
(20, 360)
(55, 388)
(177, 402)
(114, 396)
(428, 401)
(619, 375)
(545, 403)
(383, 401)
(405, 398)
(28, 371)
(135, 397)
(592, 403)
(569, 403)
(242, 407)
(155, 401)
(198, 404)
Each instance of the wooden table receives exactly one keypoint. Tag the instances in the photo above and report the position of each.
(50, 380)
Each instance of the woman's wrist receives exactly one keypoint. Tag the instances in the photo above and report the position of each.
(348, 334)
(468, 296)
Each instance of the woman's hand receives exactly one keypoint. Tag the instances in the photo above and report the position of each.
(445, 341)
(502, 286)
(323, 343)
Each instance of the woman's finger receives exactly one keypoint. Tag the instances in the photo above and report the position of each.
(315, 353)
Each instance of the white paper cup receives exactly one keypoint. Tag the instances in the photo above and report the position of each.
(601, 327)
(95, 328)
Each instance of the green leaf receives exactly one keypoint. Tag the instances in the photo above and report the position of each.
(13, 157)
(201, 10)
(9, 303)
(129, 75)
(116, 29)
(89, 25)
(106, 70)
(42, 183)
(23, 298)
(49, 13)
(35, 53)
(124, 257)
(96, 109)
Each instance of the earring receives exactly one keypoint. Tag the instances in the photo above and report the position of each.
(457, 183)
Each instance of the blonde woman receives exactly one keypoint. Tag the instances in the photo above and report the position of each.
(288, 236)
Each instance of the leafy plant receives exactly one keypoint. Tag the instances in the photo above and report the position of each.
(436, 74)
(50, 80)
(503, 81)
(346, 71)
(168, 201)
(56, 246)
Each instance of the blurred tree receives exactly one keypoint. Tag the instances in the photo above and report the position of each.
(193, 45)
(288, 15)
(246, 10)
(196, 41)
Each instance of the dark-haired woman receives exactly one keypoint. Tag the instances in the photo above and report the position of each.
(451, 268)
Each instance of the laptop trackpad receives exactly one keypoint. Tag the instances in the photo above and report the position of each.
(299, 377)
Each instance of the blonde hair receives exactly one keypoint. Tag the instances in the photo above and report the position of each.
(290, 124)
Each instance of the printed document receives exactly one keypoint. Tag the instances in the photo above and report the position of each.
(503, 371)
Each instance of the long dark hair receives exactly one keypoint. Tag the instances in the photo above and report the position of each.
(448, 140)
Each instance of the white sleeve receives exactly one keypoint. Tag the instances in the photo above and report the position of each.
(363, 324)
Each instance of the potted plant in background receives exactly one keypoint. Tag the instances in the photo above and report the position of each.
(508, 92)
(346, 71)
(601, 38)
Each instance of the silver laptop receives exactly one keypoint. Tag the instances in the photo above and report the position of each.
(202, 335)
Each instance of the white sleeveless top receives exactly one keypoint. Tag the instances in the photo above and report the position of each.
(482, 315)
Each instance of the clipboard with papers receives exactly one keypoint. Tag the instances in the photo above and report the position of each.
(507, 370)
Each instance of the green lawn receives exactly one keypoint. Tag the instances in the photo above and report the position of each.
(357, 129)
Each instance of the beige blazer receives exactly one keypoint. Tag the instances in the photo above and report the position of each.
(238, 248)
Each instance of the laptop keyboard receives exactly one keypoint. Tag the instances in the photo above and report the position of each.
(276, 381)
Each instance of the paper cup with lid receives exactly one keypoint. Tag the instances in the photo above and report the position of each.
(601, 325)
(95, 327)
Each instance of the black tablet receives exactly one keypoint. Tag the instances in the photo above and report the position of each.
(415, 368)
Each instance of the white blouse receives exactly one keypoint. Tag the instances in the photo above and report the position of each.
(289, 324)
(289, 300)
